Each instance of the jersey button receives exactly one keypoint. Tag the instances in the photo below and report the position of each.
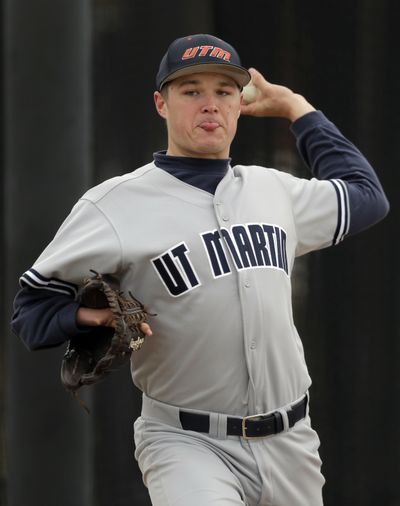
(253, 345)
(225, 218)
(247, 284)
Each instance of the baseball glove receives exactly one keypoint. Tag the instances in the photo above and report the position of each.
(92, 356)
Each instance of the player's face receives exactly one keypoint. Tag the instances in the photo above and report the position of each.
(201, 111)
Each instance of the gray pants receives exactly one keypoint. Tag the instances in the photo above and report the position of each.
(186, 468)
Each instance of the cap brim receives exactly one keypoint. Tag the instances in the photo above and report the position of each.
(239, 74)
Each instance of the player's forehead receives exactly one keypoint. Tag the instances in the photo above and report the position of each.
(204, 79)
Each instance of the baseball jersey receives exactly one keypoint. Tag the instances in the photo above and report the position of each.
(214, 266)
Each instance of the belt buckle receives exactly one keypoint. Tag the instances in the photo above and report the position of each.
(244, 428)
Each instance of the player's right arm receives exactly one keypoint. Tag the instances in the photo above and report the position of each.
(43, 319)
(46, 311)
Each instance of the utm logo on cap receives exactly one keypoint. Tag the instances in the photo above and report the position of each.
(213, 51)
(201, 53)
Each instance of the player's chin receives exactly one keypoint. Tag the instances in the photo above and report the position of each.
(212, 152)
(213, 146)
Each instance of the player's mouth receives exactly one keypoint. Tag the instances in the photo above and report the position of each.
(209, 126)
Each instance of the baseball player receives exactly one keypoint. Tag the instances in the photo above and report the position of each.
(209, 247)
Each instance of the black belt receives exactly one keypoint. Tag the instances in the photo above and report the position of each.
(253, 426)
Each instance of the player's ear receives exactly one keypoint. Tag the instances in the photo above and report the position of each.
(160, 103)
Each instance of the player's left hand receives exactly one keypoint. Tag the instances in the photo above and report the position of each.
(274, 100)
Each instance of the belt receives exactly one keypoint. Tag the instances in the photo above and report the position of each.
(248, 427)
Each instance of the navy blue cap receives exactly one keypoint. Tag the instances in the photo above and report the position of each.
(201, 53)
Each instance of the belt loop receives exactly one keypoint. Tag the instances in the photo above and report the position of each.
(222, 426)
(214, 424)
(285, 418)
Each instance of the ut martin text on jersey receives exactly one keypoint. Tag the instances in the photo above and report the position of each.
(249, 246)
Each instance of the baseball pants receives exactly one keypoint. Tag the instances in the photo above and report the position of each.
(187, 468)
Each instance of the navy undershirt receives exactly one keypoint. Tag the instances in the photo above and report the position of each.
(203, 173)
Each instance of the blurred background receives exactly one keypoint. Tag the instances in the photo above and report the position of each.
(78, 79)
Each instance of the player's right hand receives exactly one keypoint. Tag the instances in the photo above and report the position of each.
(89, 317)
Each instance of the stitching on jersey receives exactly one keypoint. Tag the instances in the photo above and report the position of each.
(126, 178)
(94, 204)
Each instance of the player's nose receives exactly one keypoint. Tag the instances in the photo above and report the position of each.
(209, 105)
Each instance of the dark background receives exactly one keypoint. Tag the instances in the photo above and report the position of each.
(77, 109)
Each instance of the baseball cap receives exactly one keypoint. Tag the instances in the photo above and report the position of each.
(201, 53)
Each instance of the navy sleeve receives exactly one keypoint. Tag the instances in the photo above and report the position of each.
(331, 156)
(43, 318)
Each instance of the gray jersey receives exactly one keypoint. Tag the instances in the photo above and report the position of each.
(216, 271)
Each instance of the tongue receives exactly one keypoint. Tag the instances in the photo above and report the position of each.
(209, 126)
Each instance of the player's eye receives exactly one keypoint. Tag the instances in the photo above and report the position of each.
(224, 92)
(191, 93)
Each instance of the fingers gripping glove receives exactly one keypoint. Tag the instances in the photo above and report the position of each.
(91, 357)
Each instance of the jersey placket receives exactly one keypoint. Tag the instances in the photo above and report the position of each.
(226, 218)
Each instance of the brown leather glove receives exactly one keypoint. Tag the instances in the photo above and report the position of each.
(92, 356)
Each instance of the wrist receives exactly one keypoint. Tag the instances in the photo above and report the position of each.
(94, 317)
(298, 107)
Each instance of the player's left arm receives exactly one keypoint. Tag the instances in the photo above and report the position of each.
(326, 151)
(331, 156)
